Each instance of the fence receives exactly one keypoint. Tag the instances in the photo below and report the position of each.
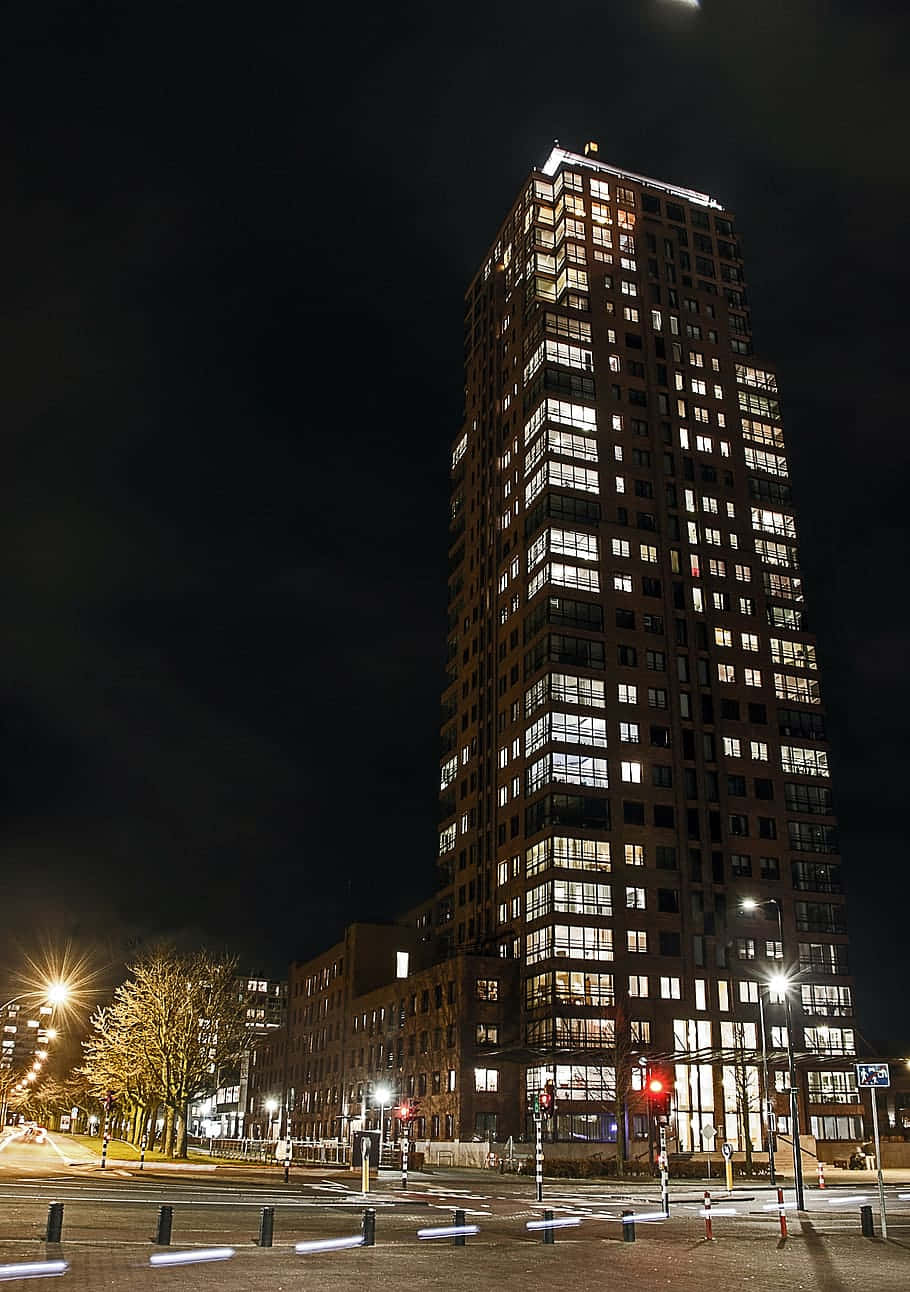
(312, 1152)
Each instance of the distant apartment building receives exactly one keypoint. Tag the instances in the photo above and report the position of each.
(220, 1111)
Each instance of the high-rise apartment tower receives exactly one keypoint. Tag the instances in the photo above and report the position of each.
(633, 734)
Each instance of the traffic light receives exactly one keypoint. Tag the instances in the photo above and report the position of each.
(535, 1103)
(660, 1094)
(548, 1100)
(405, 1111)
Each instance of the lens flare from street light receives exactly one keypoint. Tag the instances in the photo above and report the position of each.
(382, 1094)
(60, 978)
(271, 1105)
(748, 904)
(779, 984)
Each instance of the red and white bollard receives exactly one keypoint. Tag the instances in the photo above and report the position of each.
(781, 1211)
(709, 1233)
(821, 1174)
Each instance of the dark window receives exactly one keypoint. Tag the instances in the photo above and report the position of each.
(738, 824)
(633, 813)
(767, 827)
(664, 816)
(740, 865)
(627, 655)
(662, 777)
(665, 857)
(669, 944)
(668, 900)
(736, 785)
(764, 789)
(625, 619)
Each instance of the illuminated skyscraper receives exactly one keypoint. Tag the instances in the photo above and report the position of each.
(633, 732)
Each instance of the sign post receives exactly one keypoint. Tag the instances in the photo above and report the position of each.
(727, 1151)
(873, 1077)
(664, 1172)
(708, 1136)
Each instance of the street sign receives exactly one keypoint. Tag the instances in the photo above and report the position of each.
(727, 1151)
(709, 1135)
(64, 1122)
(872, 1075)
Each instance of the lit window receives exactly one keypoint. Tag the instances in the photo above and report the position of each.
(631, 773)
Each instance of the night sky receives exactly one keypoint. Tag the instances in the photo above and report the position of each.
(235, 243)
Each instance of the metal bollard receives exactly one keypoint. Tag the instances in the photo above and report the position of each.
(54, 1222)
(266, 1226)
(165, 1221)
(781, 1211)
(709, 1232)
(628, 1227)
(368, 1227)
(458, 1240)
(865, 1220)
(821, 1174)
(547, 1235)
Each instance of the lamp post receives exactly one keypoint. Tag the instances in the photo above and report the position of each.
(384, 1094)
(271, 1107)
(780, 984)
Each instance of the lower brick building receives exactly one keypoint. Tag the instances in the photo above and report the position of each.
(382, 1008)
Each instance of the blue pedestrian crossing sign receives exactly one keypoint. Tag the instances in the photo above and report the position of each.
(872, 1074)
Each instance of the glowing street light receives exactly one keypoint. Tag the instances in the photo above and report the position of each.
(383, 1093)
(58, 993)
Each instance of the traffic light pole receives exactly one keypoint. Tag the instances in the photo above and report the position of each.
(664, 1173)
(405, 1138)
(538, 1155)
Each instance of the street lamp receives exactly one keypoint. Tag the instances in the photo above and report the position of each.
(780, 984)
(384, 1094)
(271, 1107)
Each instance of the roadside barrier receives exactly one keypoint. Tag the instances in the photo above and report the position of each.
(165, 1223)
(54, 1223)
(266, 1226)
(865, 1221)
(821, 1174)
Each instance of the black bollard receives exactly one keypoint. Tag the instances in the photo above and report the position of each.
(628, 1227)
(548, 1236)
(458, 1240)
(54, 1222)
(368, 1227)
(865, 1220)
(266, 1226)
(165, 1221)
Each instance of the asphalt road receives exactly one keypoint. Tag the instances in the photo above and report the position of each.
(109, 1223)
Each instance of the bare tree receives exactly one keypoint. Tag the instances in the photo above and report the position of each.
(175, 1021)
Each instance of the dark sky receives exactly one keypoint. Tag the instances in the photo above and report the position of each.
(235, 242)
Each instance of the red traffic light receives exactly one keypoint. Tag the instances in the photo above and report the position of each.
(656, 1086)
(404, 1112)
